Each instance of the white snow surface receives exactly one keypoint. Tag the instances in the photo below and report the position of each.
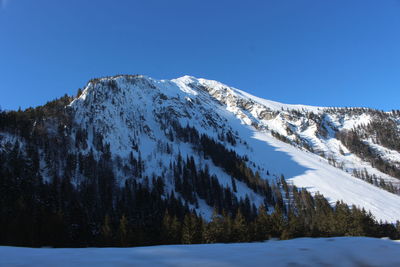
(316, 175)
(132, 112)
(345, 251)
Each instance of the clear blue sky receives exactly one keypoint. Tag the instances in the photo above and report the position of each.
(329, 53)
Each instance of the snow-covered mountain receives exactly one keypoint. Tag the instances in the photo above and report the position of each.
(338, 152)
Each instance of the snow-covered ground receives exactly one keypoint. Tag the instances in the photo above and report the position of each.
(346, 251)
(307, 170)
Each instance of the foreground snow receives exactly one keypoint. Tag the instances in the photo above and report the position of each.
(347, 251)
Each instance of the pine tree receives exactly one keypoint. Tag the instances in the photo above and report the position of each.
(123, 234)
(215, 231)
(263, 225)
(191, 229)
(233, 184)
(171, 229)
(239, 228)
(106, 232)
(278, 222)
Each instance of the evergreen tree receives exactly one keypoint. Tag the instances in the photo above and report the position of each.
(191, 229)
(240, 230)
(216, 230)
(263, 225)
(123, 233)
(106, 232)
(171, 229)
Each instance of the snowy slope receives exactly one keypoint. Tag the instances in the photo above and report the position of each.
(296, 252)
(309, 127)
(335, 184)
(130, 110)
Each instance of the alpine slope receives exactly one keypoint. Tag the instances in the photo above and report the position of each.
(298, 142)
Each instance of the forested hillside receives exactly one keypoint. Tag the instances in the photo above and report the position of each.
(135, 161)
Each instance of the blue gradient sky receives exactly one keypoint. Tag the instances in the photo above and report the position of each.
(328, 53)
